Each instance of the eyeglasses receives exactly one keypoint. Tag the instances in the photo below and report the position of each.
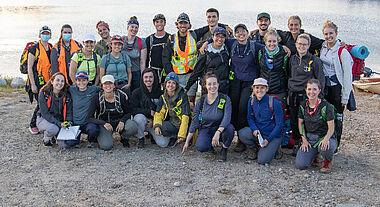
(302, 44)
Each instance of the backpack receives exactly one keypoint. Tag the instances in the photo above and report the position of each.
(358, 66)
(65, 100)
(59, 47)
(108, 59)
(139, 42)
(102, 103)
(270, 103)
(81, 58)
(324, 118)
(24, 57)
(222, 103)
(252, 48)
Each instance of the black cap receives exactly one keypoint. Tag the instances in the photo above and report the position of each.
(183, 17)
(241, 25)
(263, 14)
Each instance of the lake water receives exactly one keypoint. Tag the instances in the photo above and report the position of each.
(358, 21)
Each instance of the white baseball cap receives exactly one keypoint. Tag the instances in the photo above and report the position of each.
(260, 82)
(89, 37)
(108, 78)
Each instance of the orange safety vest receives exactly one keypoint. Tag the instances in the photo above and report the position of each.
(43, 64)
(183, 61)
(48, 102)
(74, 46)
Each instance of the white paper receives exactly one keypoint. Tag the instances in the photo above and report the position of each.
(70, 133)
(261, 140)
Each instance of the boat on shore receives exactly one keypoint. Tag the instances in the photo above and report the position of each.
(367, 84)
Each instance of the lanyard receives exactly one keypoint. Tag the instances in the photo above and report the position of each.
(315, 108)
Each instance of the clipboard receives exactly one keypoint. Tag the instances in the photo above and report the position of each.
(70, 133)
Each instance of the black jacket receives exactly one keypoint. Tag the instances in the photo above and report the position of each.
(55, 113)
(288, 40)
(277, 76)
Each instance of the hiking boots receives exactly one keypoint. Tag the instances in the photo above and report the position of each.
(316, 161)
(141, 143)
(172, 141)
(48, 143)
(252, 153)
(327, 165)
(34, 130)
(90, 144)
(279, 153)
(125, 142)
(240, 147)
(150, 137)
(223, 154)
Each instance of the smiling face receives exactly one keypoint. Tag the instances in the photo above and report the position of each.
(133, 29)
(171, 86)
(241, 34)
(183, 26)
(263, 23)
(58, 83)
(148, 79)
(260, 91)
(212, 19)
(82, 83)
(108, 87)
(159, 24)
(294, 26)
(312, 91)
(271, 42)
(330, 35)
(103, 32)
(212, 85)
(116, 47)
(302, 46)
(218, 40)
(89, 45)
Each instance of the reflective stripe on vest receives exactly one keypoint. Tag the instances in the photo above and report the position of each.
(183, 61)
(62, 58)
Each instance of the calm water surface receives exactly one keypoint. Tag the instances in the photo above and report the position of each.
(358, 21)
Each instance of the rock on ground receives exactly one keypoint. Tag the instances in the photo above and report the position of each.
(34, 175)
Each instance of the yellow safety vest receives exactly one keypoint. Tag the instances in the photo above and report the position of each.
(183, 61)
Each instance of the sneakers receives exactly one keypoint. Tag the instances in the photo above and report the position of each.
(327, 165)
(48, 143)
(279, 153)
(90, 144)
(252, 153)
(240, 147)
(316, 161)
(223, 154)
(141, 143)
(34, 130)
(125, 142)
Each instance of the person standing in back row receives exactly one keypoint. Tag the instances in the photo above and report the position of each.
(155, 44)
(135, 48)
(62, 52)
(102, 47)
(38, 71)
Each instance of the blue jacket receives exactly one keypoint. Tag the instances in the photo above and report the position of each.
(260, 117)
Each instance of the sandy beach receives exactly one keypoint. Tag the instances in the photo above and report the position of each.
(34, 175)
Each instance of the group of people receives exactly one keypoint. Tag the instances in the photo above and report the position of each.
(146, 87)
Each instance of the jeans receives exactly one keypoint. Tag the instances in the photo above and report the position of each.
(205, 136)
(141, 121)
(136, 79)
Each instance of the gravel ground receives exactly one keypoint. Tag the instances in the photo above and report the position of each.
(34, 175)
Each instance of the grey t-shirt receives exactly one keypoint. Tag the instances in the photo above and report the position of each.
(116, 66)
(133, 51)
(81, 102)
(211, 116)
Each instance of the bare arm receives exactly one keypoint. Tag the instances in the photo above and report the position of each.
(129, 72)
(73, 70)
(97, 75)
(102, 71)
(143, 59)
(33, 85)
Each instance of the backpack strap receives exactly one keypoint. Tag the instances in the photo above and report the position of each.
(80, 57)
(270, 103)
(259, 59)
(201, 102)
(252, 48)
(233, 47)
(139, 43)
(108, 59)
(340, 53)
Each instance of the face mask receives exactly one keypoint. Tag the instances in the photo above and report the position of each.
(45, 38)
(66, 37)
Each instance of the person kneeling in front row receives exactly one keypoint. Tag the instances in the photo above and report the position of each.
(109, 111)
(266, 120)
(212, 117)
(316, 124)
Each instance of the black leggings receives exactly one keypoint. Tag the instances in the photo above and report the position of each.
(295, 99)
(239, 93)
(333, 96)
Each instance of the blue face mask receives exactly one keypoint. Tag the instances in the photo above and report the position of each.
(66, 37)
(45, 38)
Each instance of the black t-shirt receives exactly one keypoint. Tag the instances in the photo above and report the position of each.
(315, 124)
(155, 50)
(33, 49)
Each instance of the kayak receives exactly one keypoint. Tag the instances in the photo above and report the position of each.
(367, 84)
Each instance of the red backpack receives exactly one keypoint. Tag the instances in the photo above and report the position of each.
(358, 66)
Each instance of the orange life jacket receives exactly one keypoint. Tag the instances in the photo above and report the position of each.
(74, 46)
(48, 102)
(43, 63)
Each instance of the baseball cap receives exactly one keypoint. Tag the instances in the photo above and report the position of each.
(81, 75)
(241, 25)
(159, 16)
(183, 17)
(88, 37)
(108, 78)
(117, 38)
(220, 30)
(45, 29)
(260, 82)
(263, 14)
(172, 76)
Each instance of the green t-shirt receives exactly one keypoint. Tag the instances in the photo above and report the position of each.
(88, 65)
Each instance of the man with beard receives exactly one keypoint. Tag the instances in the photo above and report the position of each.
(263, 21)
